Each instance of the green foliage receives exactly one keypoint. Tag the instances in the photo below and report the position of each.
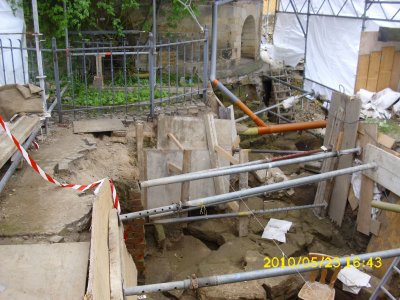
(95, 14)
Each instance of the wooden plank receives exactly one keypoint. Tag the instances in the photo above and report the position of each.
(114, 246)
(375, 227)
(395, 77)
(176, 142)
(373, 71)
(99, 125)
(225, 154)
(21, 129)
(243, 229)
(352, 199)
(385, 69)
(139, 149)
(386, 140)
(190, 132)
(186, 167)
(99, 263)
(43, 271)
(362, 73)
(335, 124)
(389, 237)
(386, 174)
(341, 184)
(368, 135)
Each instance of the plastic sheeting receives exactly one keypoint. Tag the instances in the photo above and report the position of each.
(332, 52)
(332, 42)
(289, 41)
(13, 63)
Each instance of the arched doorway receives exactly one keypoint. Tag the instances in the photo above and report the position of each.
(248, 44)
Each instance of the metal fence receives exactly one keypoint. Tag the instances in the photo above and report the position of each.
(107, 77)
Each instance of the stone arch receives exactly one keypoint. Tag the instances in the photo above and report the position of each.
(249, 38)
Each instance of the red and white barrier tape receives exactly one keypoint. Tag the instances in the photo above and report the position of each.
(48, 178)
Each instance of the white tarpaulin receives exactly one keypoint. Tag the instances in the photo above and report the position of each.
(289, 39)
(12, 62)
(332, 52)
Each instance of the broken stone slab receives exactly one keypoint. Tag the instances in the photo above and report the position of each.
(62, 168)
(117, 139)
(119, 133)
(56, 239)
(89, 141)
(246, 291)
(87, 149)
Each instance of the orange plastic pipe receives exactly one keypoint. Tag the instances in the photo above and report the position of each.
(284, 128)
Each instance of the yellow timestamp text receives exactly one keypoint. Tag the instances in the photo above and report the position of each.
(327, 262)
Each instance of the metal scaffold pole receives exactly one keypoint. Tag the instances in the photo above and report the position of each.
(234, 196)
(37, 35)
(254, 275)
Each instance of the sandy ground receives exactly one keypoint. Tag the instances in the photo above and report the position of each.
(32, 209)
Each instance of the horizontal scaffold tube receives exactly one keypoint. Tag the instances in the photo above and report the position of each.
(235, 196)
(242, 168)
(254, 275)
(386, 206)
(236, 214)
(284, 128)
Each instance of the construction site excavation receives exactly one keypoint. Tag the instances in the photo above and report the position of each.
(225, 149)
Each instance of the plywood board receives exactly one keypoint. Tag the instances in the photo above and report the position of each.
(341, 185)
(114, 246)
(395, 77)
(100, 125)
(389, 237)
(385, 69)
(362, 73)
(387, 171)
(191, 134)
(21, 129)
(373, 71)
(43, 271)
(157, 166)
(99, 268)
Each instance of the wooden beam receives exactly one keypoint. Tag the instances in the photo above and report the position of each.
(225, 154)
(173, 169)
(21, 129)
(368, 135)
(386, 174)
(373, 71)
(176, 142)
(243, 229)
(385, 69)
(341, 185)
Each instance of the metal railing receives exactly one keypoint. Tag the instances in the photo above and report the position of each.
(107, 77)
